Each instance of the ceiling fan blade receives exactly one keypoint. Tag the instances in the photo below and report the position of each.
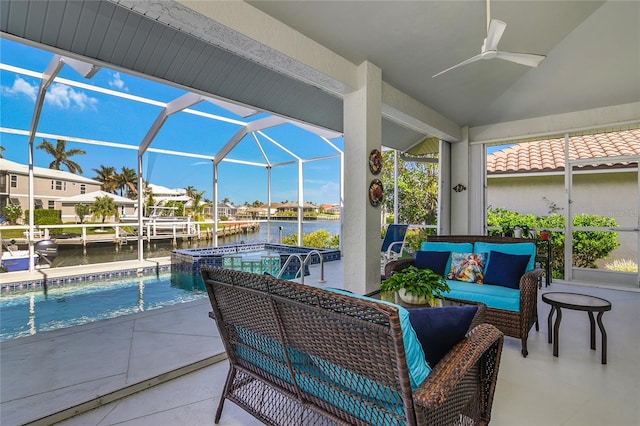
(494, 34)
(528, 59)
(468, 61)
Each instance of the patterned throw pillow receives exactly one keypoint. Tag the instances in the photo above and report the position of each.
(468, 267)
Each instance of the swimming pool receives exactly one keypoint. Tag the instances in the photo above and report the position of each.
(255, 257)
(28, 312)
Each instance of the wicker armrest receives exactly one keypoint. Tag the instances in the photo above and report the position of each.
(446, 375)
(529, 290)
(397, 265)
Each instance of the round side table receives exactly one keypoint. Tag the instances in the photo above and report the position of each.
(577, 302)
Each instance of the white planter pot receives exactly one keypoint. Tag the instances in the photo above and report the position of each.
(411, 299)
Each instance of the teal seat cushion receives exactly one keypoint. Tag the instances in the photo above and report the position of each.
(446, 246)
(417, 365)
(508, 248)
(493, 296)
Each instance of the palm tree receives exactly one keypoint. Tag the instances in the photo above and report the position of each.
(1, 149)
(191, 191)
(61, 155)
(104, 207)
(197, 206)
(127, 182)
(107, 175)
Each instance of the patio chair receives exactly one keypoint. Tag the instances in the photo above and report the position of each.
(393, 242)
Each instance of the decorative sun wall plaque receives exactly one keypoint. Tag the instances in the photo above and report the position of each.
(376, 192)
(375, 161)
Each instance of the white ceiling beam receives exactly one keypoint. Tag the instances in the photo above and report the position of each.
(176, 105)
(540, 127)
(240, 110)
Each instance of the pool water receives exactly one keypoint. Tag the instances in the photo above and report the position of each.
(24, 313)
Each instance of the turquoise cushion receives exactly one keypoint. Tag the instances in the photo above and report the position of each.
(416, 362)
(373, 411)
(445, 246)
(493, 296)
(514, 248)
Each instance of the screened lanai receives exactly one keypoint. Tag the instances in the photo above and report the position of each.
(228, 134)
(370, 79)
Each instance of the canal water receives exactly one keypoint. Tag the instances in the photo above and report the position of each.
(109, 252)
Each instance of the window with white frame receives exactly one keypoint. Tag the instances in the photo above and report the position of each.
(58, 185)
(83, 188)
(14, 181)
(51, 204)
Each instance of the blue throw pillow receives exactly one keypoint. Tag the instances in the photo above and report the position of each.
(439, 329)
(446, 246)
(509, 248)
(434, 260)
(506, 269)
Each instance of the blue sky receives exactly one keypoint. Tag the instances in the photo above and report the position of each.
(74, 112)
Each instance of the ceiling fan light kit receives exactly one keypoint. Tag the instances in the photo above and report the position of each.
(489, 48)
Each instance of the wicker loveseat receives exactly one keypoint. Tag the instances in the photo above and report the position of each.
(515, 321)
(300, 355)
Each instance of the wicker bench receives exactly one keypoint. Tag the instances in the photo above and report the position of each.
(512, 323)
(300, 355)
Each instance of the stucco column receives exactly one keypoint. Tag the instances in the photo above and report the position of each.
(361, 221)
(460, 176)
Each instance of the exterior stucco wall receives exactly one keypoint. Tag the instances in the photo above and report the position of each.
(43, 189)
(604, 194)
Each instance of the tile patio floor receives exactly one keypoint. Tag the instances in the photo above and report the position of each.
(45, 373)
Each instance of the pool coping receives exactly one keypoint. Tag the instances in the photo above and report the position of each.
(24, 280)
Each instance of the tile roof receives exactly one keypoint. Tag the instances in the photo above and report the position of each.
(548, 154)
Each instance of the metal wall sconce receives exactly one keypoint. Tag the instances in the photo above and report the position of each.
(459, 187)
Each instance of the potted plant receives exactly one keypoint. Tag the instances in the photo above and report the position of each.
(416, 286)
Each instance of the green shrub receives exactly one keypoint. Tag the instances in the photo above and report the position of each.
(317, 239)
(588, 246)
(44, 217)
(12, 212)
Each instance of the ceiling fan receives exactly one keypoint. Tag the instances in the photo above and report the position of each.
(489, 50)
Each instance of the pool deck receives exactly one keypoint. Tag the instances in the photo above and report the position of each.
(58, 370)
(84, 367)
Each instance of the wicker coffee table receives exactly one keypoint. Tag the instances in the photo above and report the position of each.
(577, 302)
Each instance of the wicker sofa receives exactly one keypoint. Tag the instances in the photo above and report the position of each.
(300, 355)
(515, 323)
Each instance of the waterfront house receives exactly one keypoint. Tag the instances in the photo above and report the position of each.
(49, 185)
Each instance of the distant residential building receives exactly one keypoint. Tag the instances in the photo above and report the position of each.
(48, 185)
(126, 206)
(331, 208)
(293, 207)
(227, 210)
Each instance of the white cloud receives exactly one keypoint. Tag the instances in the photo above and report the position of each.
(117, 82)
(200, 163)
(66, 97)
(21, 87)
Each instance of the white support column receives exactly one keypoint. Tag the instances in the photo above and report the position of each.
(444, 188)
(361, 225)
(269, 204)
(215, 203)
(568, 224)
(460, 176)
(140, 211)
(395, 186)
(54, 67)
(300, 201)
(477, 167)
